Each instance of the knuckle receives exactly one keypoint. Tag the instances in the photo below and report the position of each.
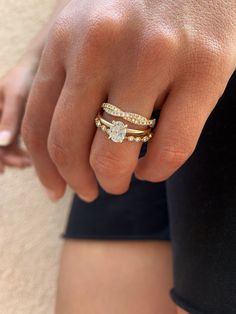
(209, 54)
(174, 158)
(102, 28)
(109, 165)
(58, 154)
(61, 29)
(165, 42)
(208, 60)
(158, 47)
(31, 136)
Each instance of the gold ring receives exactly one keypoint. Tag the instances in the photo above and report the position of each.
(128, 116)
(117, 131)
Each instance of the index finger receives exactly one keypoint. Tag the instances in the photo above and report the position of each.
(36, 124)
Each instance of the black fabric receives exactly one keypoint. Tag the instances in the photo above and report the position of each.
(202, 209)
(134, 215)
(141, 213)
(202, 206)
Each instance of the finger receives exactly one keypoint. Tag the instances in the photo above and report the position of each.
(12, 113)
(15, 157)
(114, 163)
(16, 161)
(72, 131)
(182, 119)
(39, 111)
(1, 166)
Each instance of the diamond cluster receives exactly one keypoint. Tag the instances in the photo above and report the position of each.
(128, 116)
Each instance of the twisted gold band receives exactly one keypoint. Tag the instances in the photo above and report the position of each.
(128, 116)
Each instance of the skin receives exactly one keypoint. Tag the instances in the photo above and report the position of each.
(14, 90)
(150, 259)
(139, 55)
(103, 277)
(176, 56)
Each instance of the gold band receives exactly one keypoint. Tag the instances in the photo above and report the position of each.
(118, 131)
(130, 131)
(128, 116)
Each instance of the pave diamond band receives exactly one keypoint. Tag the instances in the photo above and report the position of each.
(118, 132)
(128, 116)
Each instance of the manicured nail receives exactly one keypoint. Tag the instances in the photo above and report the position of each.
(52, 195)
(5, 138)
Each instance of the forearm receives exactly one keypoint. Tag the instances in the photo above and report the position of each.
(35, 47)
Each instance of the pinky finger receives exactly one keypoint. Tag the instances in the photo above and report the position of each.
(181, 122)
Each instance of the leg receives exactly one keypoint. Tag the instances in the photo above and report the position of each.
(118, 277)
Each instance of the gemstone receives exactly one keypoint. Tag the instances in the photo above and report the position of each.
(98, 123)
(117, 131)
(130, 138)
(137, 139)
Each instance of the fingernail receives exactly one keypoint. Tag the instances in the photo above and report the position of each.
(86, 198)
(5, 138)
(52, 195)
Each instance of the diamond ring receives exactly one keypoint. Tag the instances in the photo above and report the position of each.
(117, 131)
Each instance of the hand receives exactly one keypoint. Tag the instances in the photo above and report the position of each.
(140, 55)
(14, 89)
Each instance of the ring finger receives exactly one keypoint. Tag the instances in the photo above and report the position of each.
(114, 163)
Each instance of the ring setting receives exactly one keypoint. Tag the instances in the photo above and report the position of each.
(118, 131)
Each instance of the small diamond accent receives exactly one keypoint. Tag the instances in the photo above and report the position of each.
(98, 123)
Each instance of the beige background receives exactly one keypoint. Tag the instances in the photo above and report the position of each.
(30, 225)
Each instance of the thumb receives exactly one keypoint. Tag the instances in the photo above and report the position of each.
(12, 113)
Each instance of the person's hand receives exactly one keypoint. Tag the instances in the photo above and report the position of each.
(14, 90)
(140, 55)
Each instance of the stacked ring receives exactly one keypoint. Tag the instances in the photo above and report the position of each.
(128, 116)
(117, 131)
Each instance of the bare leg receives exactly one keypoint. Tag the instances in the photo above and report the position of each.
(115, 277)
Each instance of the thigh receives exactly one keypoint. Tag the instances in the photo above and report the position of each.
(104, 277)
(202, 206)
(116, 257)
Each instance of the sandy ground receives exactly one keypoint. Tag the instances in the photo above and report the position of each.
(30, 226)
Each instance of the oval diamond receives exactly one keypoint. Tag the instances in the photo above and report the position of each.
(117, 131)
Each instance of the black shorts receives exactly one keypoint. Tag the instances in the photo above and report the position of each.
(123, 217)
(201, 200)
